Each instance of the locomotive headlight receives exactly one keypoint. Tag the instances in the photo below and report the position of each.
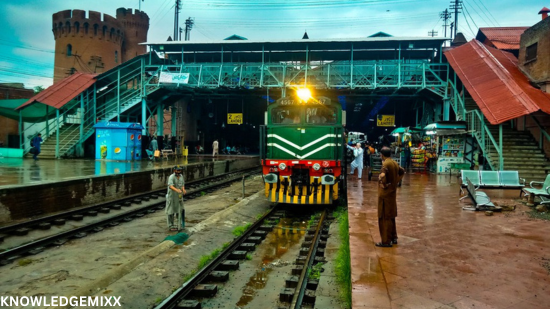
(282, 166)
(316, 166)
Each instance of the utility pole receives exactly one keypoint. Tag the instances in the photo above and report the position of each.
(445, 15)
(432, 33)
(456, 5)
(189, 22)
(181, 31)
(140, 1)
(452, 27)
(177, 19)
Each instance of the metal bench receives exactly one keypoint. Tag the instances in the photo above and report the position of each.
(543, 193)
(480, 199)
(167, 152)
(493, 179)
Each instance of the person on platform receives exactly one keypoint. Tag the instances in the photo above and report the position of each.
(175, 213)
(357, 163)
(390, 176)
(35, 142)
(407, 156)
(215, 149)
(153, 146)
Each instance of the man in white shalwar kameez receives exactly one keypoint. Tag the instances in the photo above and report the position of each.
(357, 163)
(174, 200)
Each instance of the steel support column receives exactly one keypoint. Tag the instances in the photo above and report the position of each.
(144, 116)
(160, 120)
(57, 134)
(501, 156)
(174, 120)
(446, 109)
(351, 68)
(307, 64)
(81, 116)
(47, 121)
(21, 133)
(118, 96)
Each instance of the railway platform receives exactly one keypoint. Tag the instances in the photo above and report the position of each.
(446, 257)
(35, 188)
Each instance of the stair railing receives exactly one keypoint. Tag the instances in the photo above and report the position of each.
(478, 128)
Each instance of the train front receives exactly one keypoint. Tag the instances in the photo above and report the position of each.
(302, 151)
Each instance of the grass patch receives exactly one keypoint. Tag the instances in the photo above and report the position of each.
(24, 262)
(311, 220)
(158, 300)
(239, 230)
(225, 245)
(249, 257)
(539, 215)
(343, 262)
(315, 271)
(203, 193)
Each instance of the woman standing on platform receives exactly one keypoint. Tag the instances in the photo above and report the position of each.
(175, 213)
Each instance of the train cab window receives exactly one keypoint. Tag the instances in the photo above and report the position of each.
(321, 115)
(286, 115)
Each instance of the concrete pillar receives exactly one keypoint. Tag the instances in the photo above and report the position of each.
(144, 116)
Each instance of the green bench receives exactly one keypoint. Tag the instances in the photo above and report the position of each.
(543, 193)
(480, 199)
(493, 179)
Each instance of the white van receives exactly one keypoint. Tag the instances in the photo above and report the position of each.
(357, 137)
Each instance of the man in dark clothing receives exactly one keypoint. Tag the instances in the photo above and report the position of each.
(390, 175)
(35, 142)
(407, 154)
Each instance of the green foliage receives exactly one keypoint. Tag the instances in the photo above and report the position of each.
(225, 245)
(239, 230)
(203, 193)
(259, 216)
(310, 222)
(249, 257)
(158, 300)
(24, 262)
(343, 261)
(38, 89)
(315, 271)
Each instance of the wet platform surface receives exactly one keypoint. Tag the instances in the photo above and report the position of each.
(16, 172)
(446, 257)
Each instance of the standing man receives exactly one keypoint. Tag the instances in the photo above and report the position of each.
(175, 213)
(35, 142)
(390, 175)
(215, 145)
(357, 163)
(154, 146)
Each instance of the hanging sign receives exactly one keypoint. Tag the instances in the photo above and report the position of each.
(385, 120)
(235, 118)
(174, 78)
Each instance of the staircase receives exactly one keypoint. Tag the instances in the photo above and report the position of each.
(520, 151)
(69, 135)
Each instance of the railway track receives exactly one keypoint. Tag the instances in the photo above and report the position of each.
(146, 203)
(298, 289)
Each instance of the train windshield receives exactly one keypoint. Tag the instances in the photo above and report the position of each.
(321, 115)
(286, 115)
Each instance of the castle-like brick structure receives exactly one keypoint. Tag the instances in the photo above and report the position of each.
(96, 43)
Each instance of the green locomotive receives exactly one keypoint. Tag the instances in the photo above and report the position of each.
(302, 149)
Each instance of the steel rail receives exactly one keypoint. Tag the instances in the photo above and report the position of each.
(39, 245)
(302, 282)
(178, 295)
(8, 229)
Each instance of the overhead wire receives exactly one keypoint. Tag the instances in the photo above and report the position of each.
(488, 11)
(479, 11)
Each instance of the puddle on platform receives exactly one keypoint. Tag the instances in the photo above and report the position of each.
(286, 234)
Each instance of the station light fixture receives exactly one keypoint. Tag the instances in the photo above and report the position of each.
(304, 94)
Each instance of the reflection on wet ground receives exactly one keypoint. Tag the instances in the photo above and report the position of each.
(287, 234)
(16, 171)
(446, 257)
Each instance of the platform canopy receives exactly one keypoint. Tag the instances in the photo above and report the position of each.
(371, 48)
(446, 128)
(34, 113)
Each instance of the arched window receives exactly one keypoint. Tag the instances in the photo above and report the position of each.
(104, 31)
(60, 27)
(112, 33)
(77, 27)
(116, 56)
(96, 28)
(69, 50)
(86, 26)
(68, 26)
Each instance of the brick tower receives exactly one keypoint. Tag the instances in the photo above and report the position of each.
(96, 43)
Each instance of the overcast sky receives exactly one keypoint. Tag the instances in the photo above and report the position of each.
(27, 43)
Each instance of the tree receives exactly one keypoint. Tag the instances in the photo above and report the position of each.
(38, 89)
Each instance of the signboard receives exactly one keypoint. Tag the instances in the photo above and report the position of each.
(295, 101)
(235, 118)
(174, 78)
(385, 120)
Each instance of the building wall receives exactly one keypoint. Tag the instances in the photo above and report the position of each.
(98, 42)
(9, 126)
(538, 70)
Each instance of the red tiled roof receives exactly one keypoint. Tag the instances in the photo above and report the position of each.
(503, 37)
(63, 91)
(495, 82)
